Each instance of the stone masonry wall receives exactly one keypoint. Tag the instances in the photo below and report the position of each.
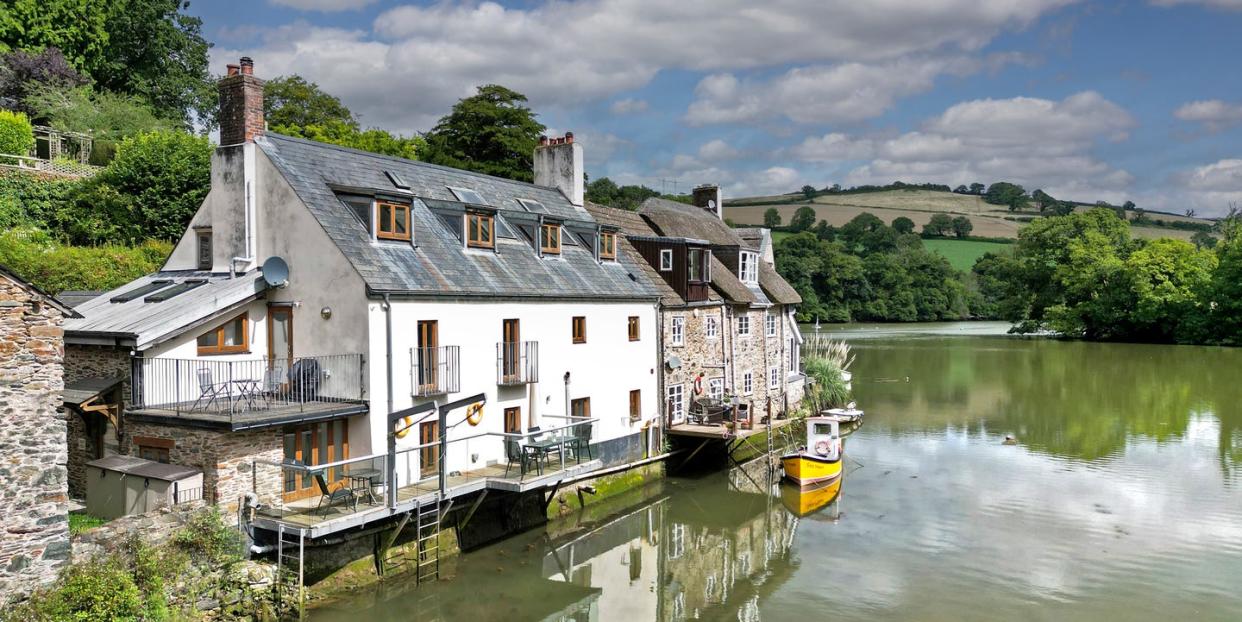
(34, 499)
(224, 457)
(758, 353)
(698, 354)
(86, 362)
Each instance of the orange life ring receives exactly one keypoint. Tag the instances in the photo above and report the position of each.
(698, 385)
(474, 413)
(406, 425)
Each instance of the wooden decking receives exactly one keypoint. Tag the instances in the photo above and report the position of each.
(266, 415)
(719, 431)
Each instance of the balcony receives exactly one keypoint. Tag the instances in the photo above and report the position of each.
(435, 371)
(517, 362)
(245, 394)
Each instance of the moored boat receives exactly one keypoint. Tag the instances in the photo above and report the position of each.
(819, 461)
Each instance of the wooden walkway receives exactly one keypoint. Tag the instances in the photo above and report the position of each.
(719, 432)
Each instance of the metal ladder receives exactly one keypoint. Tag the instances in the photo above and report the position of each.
(290, 551)
(427, 533)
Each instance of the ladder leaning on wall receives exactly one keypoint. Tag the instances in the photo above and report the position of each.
(290, 551)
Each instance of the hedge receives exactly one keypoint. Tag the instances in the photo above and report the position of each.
(55, 267)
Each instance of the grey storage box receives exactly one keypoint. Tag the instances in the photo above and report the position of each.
(123, 485)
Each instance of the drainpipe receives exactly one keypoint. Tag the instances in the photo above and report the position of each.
(661, 389)
(391, 479)
(568, 412)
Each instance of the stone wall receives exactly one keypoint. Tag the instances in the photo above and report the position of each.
(758, 353)
(224, 457)
(699, 354)
(87, 362)
(34, 499)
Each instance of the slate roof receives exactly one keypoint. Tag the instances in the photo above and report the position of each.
(774, 285)
(436, 263)
(66, 310)
(142, 324)
(631, 224)
(86, 388)
(679, 219)
(75, 298)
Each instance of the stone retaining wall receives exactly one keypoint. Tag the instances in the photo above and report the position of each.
(86, 362)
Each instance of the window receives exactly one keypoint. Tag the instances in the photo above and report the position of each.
(633, 328)
(513, 420)
(715, 388)
(666, 260)
(748, 267)
(748, 383)
(678, 336)
(699, 266)
(231, 337)
(204, 249)
(743, 325)
(480, 230)
(711, 327)
(676, 404)
(769, 325)
(361, 207)
(774, 378)
(636, 405)
(532, 205)
(607, 245)
(579, 325)
(396, 180)
(580, 408)
(392, 221)
(550, 240)
(466, 195)
(156, 449)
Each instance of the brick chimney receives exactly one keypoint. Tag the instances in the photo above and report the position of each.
(241, 104)
(559, 164)
(707, 196)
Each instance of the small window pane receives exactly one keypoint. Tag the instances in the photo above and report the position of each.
(209, 340)
(385, 217)
(234, 331)
(401, 218)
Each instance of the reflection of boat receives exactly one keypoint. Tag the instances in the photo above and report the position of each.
(802, 501)
(820, 459)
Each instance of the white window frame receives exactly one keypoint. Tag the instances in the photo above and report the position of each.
(666, 260)
(711, 327)
(748, 267)
(774, 378)
(748, 383)
(769, 325)
(743, 326)
(715, 388)
(677, 331)
(676, 396)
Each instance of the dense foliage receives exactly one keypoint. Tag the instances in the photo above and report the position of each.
(29, 200)
(295, 106)
(56, 267)
(16, 133)
(491, 132)
(605, 191)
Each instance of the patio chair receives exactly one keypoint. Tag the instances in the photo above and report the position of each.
(273, 384)
(580, 441)
(208, 389)
(516, 452)
(331, 497)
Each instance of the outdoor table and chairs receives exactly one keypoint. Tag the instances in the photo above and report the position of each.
(244, 391)
(362, 482)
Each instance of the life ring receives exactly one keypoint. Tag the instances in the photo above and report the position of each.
(698, 385)
(474, 413)
(821, 448)
(407, 424)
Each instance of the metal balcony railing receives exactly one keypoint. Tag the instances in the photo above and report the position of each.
(517, 362)
(435, 371)
(252, 387)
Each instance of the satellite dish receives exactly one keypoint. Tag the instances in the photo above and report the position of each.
(674, 362)
(275, 272)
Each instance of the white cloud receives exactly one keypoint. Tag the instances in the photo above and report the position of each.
(1210, 189)
(1214, 114)
(1036, 142)
(717, 150)
(327, 6)
(629, 106)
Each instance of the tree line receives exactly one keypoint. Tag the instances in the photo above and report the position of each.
(938, 226)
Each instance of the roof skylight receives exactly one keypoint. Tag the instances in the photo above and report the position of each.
(141, 291)
(175, 290)
(396, 180)
(466, 195)
(532, 205)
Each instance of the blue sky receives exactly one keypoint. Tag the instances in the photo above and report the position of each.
(1088, 100)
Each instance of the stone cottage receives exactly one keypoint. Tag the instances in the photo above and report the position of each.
(34, 500)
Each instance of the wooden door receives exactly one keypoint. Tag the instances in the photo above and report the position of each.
(512, 337)
(428, 356)
(311, 445)
(280, 334)
(429, 457)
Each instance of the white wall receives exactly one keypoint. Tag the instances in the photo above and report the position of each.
(605, 368)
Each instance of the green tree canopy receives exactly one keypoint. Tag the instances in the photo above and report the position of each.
(962, 226)
(491, 132)
(294, 101)
(771, 218)
(606, 192)
(903, 225)
(803, 219)
(103, 114)
(938, 225)
(808, 192)
(866, 233)
(374, 140)
(1008, 194)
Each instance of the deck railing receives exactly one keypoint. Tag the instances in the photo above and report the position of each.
(252, 386)
(435, 371)
(55, 167)
(517, 362)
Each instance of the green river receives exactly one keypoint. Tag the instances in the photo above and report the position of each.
(1119, 499)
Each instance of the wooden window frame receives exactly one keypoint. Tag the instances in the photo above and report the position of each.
(607, 245)
(636, 405)
(391, 232)
(585, 403)
(578, 324)
(545, 248)
(220, 348)
(481, 218)
(514, 415)
(632, 328)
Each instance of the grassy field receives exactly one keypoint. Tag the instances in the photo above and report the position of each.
(963, 253)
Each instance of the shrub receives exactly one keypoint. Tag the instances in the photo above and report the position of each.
(32, 200)
(207, 535)
(16, 133)
(92, 591)
(55, 267)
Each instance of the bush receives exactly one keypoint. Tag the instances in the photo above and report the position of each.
(55, 267)
(16, 133)
(206, 535)
(92, 591)
(32, 200)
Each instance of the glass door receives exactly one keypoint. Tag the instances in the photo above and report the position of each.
(429, 457)
(512, 335)
(428, 356)
(311, 445)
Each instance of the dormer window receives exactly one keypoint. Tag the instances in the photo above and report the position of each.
(392, 221)
(532, 205)
(466, 195)
(748, 267)
(550, 239)
(666, 260)
(204, 248)
(699, 268)
(607, 245)
(480, 230)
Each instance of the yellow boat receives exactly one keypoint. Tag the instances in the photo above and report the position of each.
(802, 501)
(820, 460)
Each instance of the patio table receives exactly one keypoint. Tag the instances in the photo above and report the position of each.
(547, 446)
(363, 481)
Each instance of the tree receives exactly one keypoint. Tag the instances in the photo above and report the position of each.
(1128, 206)
(491, 132)
(1190, 213)
(105, 115)
(1203, 239)
(825, 231)
(294, 101)
(1063, 208)
(606, 192)
(808, 192)
(803, 219)
(1166, 276)
(1043, 200)
(1004, 193)
(976, 188)
(939, 225)
(22, 72)
(866, 234)
(771, 218)
(16, 135)
(375, 140)
(962, 189)
(903, 225)
(962, 226)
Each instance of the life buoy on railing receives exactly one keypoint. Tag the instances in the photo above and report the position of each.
(474, 413)
(821, 448)
(698, 385)
(407, 424)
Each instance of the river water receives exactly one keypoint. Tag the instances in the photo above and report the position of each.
(1119, 499)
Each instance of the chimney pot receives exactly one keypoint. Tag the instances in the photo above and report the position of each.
(241, 104)
(569, 137)
(247, 65)
(543, 140)
(233, 69)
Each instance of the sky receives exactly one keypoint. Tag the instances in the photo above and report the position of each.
(1088, 100)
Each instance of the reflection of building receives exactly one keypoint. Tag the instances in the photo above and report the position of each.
(678, 560)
